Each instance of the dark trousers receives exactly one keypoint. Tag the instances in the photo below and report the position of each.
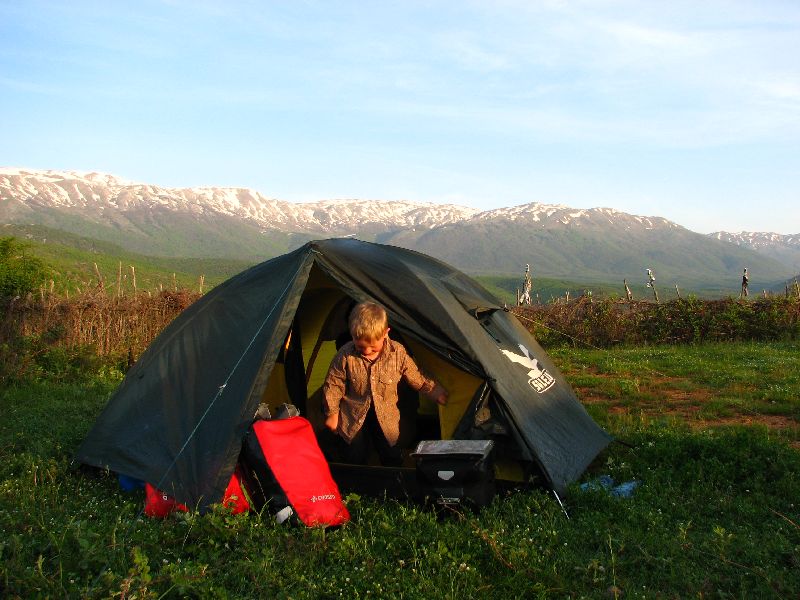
(371, 435)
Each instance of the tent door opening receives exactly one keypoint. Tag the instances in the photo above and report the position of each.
(319, 329)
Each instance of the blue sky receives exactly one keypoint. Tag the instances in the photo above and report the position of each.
(686, 110)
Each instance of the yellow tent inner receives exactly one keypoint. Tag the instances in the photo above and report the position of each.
(319, 320)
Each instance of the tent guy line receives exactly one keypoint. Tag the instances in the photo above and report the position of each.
(221, 388)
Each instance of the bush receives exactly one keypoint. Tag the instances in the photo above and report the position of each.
(61, 337)
(20, 274)
(608, 322)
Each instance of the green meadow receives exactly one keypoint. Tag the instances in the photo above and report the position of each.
(710, 431)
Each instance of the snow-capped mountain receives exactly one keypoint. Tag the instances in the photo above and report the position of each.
(95, 192)
(240, 223)
(783, 248)
(758, 239)
(557, 215)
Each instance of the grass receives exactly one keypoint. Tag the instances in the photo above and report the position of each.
(716, 514)
(701, 385)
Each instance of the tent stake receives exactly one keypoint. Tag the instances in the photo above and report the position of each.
(561, 504)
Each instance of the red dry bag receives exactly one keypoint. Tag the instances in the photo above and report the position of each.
(286, 451)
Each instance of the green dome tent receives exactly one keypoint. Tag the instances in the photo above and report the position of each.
(266, 336)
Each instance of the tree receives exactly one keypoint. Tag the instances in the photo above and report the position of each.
(19, 273)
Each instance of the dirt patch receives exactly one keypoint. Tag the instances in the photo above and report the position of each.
(774, 422)
(770, 421)
(696, 396)
(685, 405)
(587, 397)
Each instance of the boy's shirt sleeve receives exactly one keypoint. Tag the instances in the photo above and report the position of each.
(335, 385)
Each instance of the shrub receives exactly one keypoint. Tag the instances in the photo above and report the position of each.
(61, 338)
(20, 273)
(607, 322)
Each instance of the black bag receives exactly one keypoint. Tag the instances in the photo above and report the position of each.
(456, 471)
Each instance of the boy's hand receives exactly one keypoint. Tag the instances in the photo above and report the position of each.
(332, 422)
(440, 395)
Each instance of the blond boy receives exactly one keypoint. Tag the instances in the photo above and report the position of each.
(360, 390)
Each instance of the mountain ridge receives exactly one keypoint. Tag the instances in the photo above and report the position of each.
(781, 247)
(68, 189)
(241, 223)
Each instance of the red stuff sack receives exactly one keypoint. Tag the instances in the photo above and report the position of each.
(287, 450)
(234, 497)
(158, 504)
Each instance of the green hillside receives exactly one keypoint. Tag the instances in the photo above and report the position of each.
(599, 256)
(164, 232)
(71, 260)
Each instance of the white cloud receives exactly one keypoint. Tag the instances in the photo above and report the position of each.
(471, 54)
(779, 88)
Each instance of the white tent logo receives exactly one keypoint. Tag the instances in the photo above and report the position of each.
(538, 378)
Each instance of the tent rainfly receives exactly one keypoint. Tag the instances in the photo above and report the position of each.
(267, 335)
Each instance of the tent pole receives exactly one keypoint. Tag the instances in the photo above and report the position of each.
(561, 504)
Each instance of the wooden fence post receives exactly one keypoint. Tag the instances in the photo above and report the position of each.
(100, 281)
(651, 282)
(628, 293)
(745, 282)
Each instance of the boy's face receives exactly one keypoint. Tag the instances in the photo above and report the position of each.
(370, 349)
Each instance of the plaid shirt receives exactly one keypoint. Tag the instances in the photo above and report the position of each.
(354, 383)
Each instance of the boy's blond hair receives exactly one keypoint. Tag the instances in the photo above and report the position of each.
(368, 321)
